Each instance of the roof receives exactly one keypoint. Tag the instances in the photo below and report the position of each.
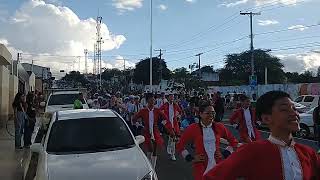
(85, 113)
(66, 92)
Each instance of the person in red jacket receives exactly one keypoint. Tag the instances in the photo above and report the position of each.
(172, 111)
(150, 117)
(245, 120)
(205, 136)
(279, 157)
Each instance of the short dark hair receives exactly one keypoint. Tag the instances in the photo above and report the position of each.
(148, 96)
(243, 98)
(266, 102)
(203, 105)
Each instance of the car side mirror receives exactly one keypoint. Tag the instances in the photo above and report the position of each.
(140, 139)
(42, 104)
(36, 147)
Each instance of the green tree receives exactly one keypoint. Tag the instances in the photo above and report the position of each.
(180, 75)
(109, 73)
(238, 68)
(75, 77)
(142, 71)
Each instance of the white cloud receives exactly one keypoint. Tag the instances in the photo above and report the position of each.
(298, 27)
(236, 3)
(267, 22)
(300, 62)
(191, 1)
(162, 7)
(127, 5)
(41, 28)
(233, 3)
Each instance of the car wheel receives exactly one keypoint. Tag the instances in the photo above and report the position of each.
(304, 131)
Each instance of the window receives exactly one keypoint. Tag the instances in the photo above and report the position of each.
(62, 99)
(299, 99)
(308, 99)
(89, 135)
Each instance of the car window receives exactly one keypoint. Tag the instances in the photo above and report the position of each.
(89, 134)
(308, 99)
(61, 99)
(298, 99)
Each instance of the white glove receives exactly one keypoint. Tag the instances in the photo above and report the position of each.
(259, 123)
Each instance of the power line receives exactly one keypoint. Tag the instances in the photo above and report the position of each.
(284, 30)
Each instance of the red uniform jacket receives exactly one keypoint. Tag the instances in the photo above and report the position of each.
(144, 114)
(262, 160)
(238, 117)
(177, 110)
(194, 134)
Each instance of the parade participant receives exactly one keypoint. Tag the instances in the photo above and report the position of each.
(278, 157)
(244, 119)
(161, 100)
(137, 107)
(150, 117)
(173, 112)
(78, 102)
(205, 136)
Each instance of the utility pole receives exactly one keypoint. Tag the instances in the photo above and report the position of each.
(86, 60)
(79, 63)
(251, 14)
(199, 66)
(150, 45)
(32, 65)
(160, 56)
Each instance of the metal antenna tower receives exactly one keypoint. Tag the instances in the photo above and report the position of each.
(98, 48)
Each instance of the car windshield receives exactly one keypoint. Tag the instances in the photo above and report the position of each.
(89, 135)
(61, 99)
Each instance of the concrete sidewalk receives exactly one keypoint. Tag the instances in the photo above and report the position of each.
(11, 160)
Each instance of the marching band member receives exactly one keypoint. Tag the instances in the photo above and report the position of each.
(245, 119)
(172, 111)
(205, 136)
(279, 157)
(150, 117)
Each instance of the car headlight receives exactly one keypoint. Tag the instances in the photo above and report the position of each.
(150, 176)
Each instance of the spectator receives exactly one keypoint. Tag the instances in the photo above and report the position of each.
(19, 108)
(219, 107)
(30, 121)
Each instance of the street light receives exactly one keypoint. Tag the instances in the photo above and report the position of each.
(151, 45)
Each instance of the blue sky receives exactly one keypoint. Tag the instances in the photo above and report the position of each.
(182, 27)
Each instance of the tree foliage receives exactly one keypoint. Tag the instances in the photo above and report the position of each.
(238, 68)
(142, 70)
(75, 77)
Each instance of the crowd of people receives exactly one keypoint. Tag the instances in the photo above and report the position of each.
(25, 109)
(196, 121)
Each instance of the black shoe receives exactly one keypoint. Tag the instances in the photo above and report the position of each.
(18, 148)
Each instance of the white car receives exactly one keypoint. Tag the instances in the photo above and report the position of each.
(63, 100)
(91, 144)
(310, 101)
(306, 124)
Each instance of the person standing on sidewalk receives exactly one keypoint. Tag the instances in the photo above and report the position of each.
(30, 121)
(245, 119)
(19, 108)
(316, 121)
(172, 111)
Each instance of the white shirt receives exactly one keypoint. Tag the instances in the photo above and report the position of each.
(290, 162)
(160, 102)
(171, 113)
(247, 116)
(209, 142)
(151, 122)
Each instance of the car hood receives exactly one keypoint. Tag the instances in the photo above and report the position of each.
(118, 165)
